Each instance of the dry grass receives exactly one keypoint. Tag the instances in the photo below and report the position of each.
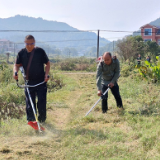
(132, 134)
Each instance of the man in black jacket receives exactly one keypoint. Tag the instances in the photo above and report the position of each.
(33, 60)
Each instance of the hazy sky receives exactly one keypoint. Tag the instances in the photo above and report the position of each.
(127, 15)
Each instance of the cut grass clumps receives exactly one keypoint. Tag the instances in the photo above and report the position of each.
(147, 110)
(5, 150)
(8, 111)
(84, 134)
(16, 127)
(55, 82)
(89, 119)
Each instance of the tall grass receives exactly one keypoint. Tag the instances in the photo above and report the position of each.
(132, 134)
(75, 64)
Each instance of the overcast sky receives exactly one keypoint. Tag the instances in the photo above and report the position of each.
(127, 15)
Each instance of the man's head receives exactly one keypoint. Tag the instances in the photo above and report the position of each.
(107, 57)
(29, 42)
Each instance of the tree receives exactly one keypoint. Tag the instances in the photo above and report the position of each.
(130, 47)
(153, 49)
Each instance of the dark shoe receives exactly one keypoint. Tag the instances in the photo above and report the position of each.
(31, 119)
(41, 120)
(104, 111)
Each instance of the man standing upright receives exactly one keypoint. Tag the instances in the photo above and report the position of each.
(108, 72)
(33, 60)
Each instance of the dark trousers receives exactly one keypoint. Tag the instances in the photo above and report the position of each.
(116, 94)
(41, 93)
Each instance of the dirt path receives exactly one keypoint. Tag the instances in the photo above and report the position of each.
(34, 146)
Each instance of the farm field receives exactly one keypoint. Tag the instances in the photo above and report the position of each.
(130, 134)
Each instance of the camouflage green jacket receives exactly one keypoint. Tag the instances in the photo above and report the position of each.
(107, 73)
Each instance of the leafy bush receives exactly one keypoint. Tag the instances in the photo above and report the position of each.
(67, 66)
(75, 64)
(5, 73)
(150, 71)
(126, 69)
(55, 82)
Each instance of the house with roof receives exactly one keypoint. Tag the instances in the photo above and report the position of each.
(6, 45)
(150, 33)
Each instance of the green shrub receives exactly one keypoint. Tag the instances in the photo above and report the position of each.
(126, 70)
(55, 82)
(67, 66)
(75, 64)
(150, 71)
(5, 73)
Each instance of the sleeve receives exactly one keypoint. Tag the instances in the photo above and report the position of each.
(45, 57)
(117, 72)
(99, 76)
(18, 59)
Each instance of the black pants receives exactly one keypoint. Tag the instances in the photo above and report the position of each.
(41, 93)
(115, 92)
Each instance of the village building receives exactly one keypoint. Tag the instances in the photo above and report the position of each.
(6, 46)
(150, 33)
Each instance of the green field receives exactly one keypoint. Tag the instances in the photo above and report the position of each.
(130, 134)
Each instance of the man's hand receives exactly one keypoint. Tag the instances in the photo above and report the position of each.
(99, 93)
(15, 71)
(15, 76)
(111, 85)
(46, 78)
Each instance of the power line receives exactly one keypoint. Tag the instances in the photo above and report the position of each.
(61, 31)
(56, 31)
(47, 30)
(116, 31)
(62, 41)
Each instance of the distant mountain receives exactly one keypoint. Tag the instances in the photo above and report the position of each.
(57, 38)
(154, 23)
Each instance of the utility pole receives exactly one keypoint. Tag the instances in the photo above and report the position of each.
(89, 57)
(14, 52)
(69, 53)
(113, 47)
(98, 44)
(48, 50)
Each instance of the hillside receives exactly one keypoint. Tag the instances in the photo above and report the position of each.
(82, 39)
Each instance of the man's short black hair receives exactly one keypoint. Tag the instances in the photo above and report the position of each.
(29, 37)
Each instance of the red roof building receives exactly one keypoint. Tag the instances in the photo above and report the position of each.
(151, 33)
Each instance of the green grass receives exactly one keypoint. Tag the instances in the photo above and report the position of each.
(132, 134)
